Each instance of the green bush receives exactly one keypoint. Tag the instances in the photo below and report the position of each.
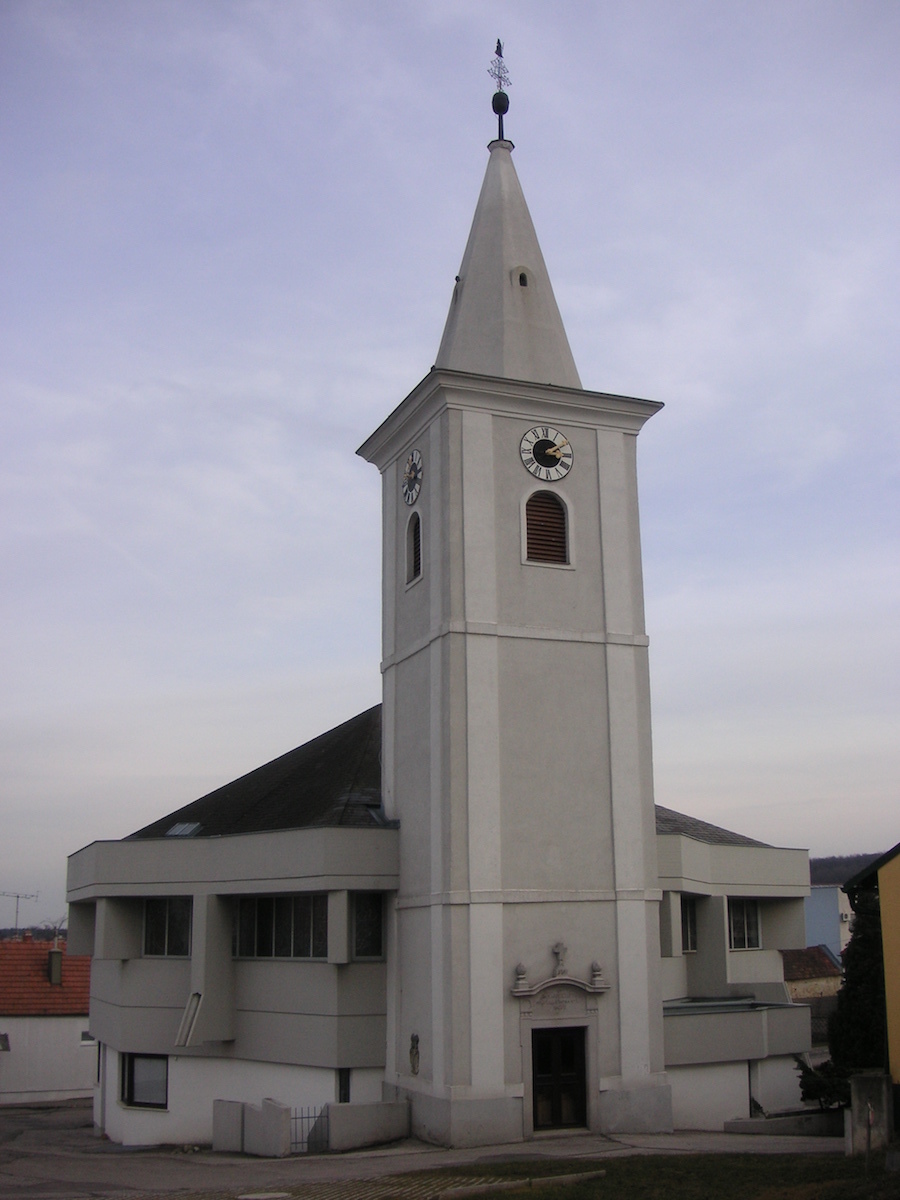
(827, 1084)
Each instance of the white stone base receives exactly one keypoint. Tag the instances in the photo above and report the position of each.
(646, 1108)
(444, 1122)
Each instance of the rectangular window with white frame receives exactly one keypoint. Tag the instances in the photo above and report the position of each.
(368, 925)
(167, 926)
(282, 926)
(743, 924)
(688, 924)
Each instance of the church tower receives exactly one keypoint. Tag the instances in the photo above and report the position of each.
(523, 951)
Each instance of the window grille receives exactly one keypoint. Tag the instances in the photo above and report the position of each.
(546, 537)
(309, 1130)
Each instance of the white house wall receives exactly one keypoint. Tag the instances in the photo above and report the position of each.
(193, 1085)
(705, 1097)
(47, 1059)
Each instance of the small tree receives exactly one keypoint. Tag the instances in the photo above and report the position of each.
(856, 1031)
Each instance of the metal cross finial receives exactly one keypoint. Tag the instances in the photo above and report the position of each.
(498, 72)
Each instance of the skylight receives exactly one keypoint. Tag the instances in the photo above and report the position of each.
(183, 829)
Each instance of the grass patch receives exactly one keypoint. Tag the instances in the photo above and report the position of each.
(700, 1177)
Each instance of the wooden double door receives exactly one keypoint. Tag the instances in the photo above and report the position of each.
(558, 1077)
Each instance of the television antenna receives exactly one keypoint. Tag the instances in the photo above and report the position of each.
(17, 896)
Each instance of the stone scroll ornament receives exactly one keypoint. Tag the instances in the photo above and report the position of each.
(414, 1054)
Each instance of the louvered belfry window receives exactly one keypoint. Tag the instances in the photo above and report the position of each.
(545, 529)
(413, 548)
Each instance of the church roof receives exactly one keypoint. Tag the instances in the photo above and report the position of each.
(333, 780)
(503, 318)
(669, 821)
(336, 780)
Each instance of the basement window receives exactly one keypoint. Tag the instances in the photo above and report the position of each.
(546, 535)
(145, 1080)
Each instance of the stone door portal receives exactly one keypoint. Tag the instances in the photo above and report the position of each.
(559, 1086)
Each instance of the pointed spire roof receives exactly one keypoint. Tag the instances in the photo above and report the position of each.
(503, 318)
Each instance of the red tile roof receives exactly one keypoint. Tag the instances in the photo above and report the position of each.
(812, 963)
(25, 990)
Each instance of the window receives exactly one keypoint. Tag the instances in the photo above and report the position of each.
(167, 926)
(688, 924)
(546, 538)
(145, 1080)
(368, 925)
(343, 1085)
(413, 548)
(743, 925)
(282, 926)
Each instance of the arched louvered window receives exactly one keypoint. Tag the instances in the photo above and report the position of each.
(413, 548)
(546, 537)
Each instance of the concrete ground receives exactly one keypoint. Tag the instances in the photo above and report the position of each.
(51, 1152)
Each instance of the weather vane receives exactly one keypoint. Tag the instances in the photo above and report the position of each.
(498, 72)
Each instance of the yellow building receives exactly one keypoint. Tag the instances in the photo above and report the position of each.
(883, 876)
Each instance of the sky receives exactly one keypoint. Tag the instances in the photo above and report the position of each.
(228, 238)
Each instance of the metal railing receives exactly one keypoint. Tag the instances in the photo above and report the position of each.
(309, 1130)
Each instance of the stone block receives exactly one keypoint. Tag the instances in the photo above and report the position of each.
(228, 1126)
(267, 1129)
(351, 1126)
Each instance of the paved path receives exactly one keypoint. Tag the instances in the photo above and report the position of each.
(50, 1152)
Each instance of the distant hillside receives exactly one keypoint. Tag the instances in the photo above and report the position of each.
(840, 868)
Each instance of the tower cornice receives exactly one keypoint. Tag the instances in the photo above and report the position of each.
(447, 389)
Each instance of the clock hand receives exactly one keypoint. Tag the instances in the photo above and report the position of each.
(556, 451)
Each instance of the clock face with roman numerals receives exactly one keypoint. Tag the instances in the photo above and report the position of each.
(546, 453)
(411, 483)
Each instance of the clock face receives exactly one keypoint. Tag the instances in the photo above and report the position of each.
(411, 483)
(546, 453)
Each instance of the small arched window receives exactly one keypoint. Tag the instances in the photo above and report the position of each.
(523, 279)
(413, 548)
(546, 536)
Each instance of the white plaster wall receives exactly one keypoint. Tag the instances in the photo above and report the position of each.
(775, 1083)
(366, 1085)
(674, 977)
(47, 1059)
(705, 1097)
(755, 966)
(194, 1083)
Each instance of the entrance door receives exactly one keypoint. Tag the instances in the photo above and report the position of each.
(559, 1088)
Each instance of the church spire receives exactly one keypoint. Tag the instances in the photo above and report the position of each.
(503, 318)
